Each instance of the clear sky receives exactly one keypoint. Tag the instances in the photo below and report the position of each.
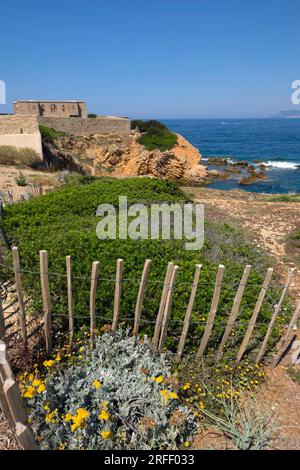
(153, 58)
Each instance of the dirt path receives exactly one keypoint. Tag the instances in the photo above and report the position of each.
(270, 225)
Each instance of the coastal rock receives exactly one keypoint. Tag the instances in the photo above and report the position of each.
(217, 161)
(123, 156)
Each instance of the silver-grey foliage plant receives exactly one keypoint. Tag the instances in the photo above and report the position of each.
(134, 407)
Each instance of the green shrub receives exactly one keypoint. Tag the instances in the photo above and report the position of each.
(163, 142)
(64, 223)
(92, 116)
(116, 396)
(49, 135)
(284, 198)
(21, 180)
(155, 135)
(10, 155)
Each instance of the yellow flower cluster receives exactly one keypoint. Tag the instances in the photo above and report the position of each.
(30, 385)
(79, 420)
(104, 415)
(52, 417)
(106, 434)
(158, 379)
(167, 395)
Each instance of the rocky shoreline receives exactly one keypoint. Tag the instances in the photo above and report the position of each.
(226, 167)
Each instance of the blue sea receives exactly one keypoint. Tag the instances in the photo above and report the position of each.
(274, 141)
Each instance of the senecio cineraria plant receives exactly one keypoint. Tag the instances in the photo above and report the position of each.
(118, 396)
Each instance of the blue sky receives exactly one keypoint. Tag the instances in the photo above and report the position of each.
(164, 58)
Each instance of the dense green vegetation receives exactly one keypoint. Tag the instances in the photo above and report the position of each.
(284, 198)
(92, 116)
(49, 135)
(155, 135)
(64, 223)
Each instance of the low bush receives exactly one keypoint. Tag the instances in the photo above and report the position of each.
(49, 135)
(155, 135)
(92, 116)
(64, 223)
(21, 180)
(117, 396)
(10, 155)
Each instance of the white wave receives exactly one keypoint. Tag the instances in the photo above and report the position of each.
(282, 165)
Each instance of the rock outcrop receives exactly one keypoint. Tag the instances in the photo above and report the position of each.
(123, 156)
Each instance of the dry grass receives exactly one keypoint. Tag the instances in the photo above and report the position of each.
(7, 440)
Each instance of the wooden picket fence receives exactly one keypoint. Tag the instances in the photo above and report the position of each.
(10, 398)
(162, 323)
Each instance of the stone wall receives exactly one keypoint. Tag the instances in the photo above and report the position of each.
(18, 125)
(51, 108)
(89, 126)
(20, 132)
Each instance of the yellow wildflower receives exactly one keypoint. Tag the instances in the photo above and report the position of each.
(186, 444)
(97, 384)
(58, 357)
(49, 363)
(29, 393)
(51, 417)
(173, 395)
(104, 415)
(106, 434)
(41, 388)
(201, 404)
(186, 386)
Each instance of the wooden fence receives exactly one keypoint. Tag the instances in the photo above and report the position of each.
(10, 398)
(162, 323)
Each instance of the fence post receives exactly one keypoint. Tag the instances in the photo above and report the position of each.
(189, 311)
(118, 290)
(12, 404)
(46, 299)
(19, 289)
(93, 292)
(256, 311)
(2, 321)
(275, 315)
(70, 299)
(235, 309)
(159, 318)
(212, 312)
(283, 343)
(140, 297)
(167, 312)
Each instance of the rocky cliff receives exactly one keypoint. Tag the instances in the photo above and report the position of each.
(119, 155)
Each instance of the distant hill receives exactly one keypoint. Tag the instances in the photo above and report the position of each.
(291, 114)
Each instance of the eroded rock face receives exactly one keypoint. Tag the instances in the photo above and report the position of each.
(123, 156)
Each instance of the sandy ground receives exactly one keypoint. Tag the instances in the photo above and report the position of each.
(8, 175)
(270, 224)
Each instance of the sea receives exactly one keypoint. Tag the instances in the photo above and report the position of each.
(276, 142)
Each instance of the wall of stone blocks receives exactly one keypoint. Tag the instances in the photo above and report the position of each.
(88, 126)
(20, 132)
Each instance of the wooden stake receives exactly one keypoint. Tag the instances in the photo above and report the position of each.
(46, 299)
(2, 321)
(118, 290)
(70, 299)
(255, 314)
(140, 297)
(235, 309)
(189, 311)
(213, 311)
(162, 305)
(286, 338)
(275, 315)
(93, 292)
(19, 289)
(25, 437)
(167, 312)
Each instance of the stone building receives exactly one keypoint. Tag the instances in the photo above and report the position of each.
(45, 108)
